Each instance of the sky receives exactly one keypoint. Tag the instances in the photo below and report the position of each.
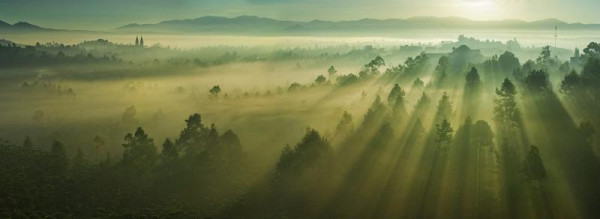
(109, 14)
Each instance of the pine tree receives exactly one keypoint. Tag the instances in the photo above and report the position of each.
(506, 111)
(473, 79)
(443, 134)
(444, 110)
(534, 167)
(169, 151)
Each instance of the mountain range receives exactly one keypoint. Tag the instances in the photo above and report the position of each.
(253, 25)
(22, 27)
(261, 25)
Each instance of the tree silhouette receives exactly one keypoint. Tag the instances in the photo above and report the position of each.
(422, 104)
(545, 58)
(592, 50)
(320, 80)
(441, 70)
(332, 72)
(506, 111)
(508, 62)
(418, 83)
(443, 135)
(537, 82)
(140, 152)
(310, 154)
(444, 109)
(533, 165)
(294, 87)
(481, 134)
(345, 125)
(572, 85)
(473, 78)
(376, 113)
(215, 90)
(394, 94)
(169, 151)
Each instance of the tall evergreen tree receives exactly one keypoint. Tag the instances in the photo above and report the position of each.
(472, 78)
(505, 110)
(444, 109)
(534, 167)
(443, 134)
(169, 151)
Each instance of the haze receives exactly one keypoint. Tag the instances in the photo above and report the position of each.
(109, 14)
(299, 109)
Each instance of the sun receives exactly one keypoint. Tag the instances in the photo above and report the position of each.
(479, 9)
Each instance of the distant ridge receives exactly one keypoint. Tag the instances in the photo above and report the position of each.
(261, 25)
(22, 27)
(254, 25)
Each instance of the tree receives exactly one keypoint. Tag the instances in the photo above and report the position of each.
(398, 105)
(481, 134)
(376, 113)
(294, 87)
(215, 90)
(537, 82)
(191, 137)
(320, 80)
(592, 50)
(418, 83)
(230, 146)
(472, 78)
(441, 70)
(533, 165)
(312, 153)
(415, 65)
(128, 116)
(140, 152)
(572, 85)
(347, 79)
(443, 134)
(508, 62)
(377, 62)
(422, 104)
(545, 58)
(372, 68)
(169, 151)
(506, 111)
(345, 125)
(444, 110)
(332, 72)
(591, 71)
(394, 94)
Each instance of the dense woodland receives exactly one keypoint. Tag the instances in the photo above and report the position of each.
(457, 134)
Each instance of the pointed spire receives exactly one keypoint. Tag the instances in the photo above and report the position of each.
(137, 42)
(142, 41)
